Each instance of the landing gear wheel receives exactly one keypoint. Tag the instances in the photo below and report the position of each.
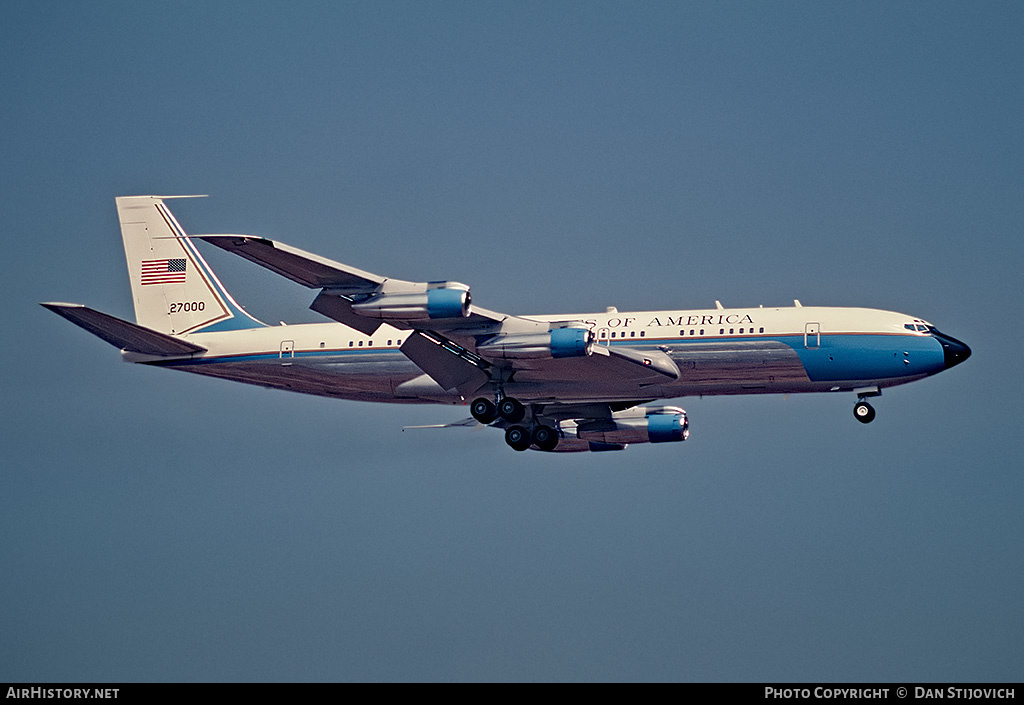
(517, 437)
(511, 410)
(545, 438)
(483, 411)
(863, 412)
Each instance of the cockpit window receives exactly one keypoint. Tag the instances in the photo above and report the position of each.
(922, 328)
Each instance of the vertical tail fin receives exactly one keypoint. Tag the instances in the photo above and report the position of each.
(173, 288)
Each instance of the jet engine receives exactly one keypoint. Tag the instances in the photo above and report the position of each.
(660, 424)
(434, 300)
(557, 342)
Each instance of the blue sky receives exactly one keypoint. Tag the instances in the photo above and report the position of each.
(558, 157)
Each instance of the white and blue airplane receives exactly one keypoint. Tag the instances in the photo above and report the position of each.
(553, 383)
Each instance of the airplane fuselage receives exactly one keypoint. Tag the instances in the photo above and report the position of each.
(718, 351)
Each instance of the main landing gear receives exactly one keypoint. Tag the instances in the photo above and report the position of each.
(486, 412)
(519, 438)
(483, 411)
(511, 411)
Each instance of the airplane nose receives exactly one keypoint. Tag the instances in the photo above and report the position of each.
(953, 350)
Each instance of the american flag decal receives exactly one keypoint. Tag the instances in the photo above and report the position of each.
(163, 271)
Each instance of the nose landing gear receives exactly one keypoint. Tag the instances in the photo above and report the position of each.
(863, 412)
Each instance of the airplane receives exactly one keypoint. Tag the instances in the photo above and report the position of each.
(563, 383)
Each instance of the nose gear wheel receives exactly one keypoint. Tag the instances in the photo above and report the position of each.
(863, 412)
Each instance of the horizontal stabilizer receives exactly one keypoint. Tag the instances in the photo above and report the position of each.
(122, 334)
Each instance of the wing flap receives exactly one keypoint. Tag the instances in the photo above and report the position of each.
(445, 365)
(339, 309)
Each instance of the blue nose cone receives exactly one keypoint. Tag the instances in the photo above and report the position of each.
(953, 350)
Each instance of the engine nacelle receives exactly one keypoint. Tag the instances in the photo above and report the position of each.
(557, 342)
(440, 300)
(665, 424)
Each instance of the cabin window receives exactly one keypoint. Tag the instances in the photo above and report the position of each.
(683, 332)
(702, 331)
(360, 343)
(613, 334)
(350, 343)
(762, 330)
(398, 342)
(721, 331)
(321, 344)
(641, 334)
(632, 334)
(741, 330)
(389, 342)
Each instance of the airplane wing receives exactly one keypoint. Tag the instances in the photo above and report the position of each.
(344, 286)
(303, 267)
(459, 345)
